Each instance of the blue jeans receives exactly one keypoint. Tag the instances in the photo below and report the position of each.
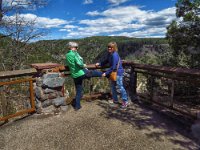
(78, 85)
(118, 84)
(92, 73)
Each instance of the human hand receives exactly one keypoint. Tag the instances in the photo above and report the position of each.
(104, 74)
(62, 74)
(97, 64)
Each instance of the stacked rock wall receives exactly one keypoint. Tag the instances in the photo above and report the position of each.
(49, 93)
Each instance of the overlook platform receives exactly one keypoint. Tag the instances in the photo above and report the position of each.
(98, 126)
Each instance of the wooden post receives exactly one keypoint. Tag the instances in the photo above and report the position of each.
(32, 100)
(172, 94)
(134, 81)
(152, 78)
(3, 102)
(90, 87)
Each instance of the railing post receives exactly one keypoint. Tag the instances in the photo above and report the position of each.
(3, 102)
(134, 81)
(152, 79)
(91, 87)
(32, 95)
(172, 94)
(135, 84)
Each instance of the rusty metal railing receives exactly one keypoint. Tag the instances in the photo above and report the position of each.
(9, 87)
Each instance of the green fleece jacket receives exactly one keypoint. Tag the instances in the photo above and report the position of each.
(75, 63)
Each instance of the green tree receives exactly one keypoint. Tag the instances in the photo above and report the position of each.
(184, 34)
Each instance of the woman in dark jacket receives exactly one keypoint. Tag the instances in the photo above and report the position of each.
(113, 59)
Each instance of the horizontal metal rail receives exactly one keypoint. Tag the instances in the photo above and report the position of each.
(32, 100)
(182, 72)
(173, 73)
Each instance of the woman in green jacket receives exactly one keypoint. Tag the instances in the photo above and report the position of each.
(78, 71)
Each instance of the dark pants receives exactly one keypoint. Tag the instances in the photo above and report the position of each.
(78, 85)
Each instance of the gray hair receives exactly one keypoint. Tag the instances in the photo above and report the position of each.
(72, 44)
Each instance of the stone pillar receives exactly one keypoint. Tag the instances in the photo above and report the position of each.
(49, 93)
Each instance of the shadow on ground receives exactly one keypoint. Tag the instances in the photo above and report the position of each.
(152, 123)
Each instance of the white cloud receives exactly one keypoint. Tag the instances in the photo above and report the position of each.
(62, 29)
(93, 13)
(149, 32)
(101, 22)
(65, 30)
(163, 17)
(82, 34)
(117, 2)
(45, 22)
(120, 14)
(88, 2)
(15, 2)
(127, 21)
(41, 22)
(70, 26)
(27, 4)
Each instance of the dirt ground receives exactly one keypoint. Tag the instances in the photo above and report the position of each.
(98, 126)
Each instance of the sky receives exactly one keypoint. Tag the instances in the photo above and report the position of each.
(72, 19)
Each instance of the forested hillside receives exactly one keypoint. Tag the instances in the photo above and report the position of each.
(92, 49)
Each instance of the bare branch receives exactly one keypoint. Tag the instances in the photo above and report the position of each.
(1, 12)
(20, 29)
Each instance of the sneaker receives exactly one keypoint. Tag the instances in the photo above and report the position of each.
(124, 105)
(113, 102)
(73, 103)
(77, 109)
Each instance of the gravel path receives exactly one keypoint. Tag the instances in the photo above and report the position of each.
(97, 126)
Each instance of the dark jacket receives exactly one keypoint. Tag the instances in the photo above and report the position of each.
(112, 59)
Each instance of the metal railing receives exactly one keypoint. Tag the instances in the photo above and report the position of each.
(160, 86)
(15, 86)
(174, 88)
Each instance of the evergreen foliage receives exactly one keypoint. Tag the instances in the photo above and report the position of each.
(184, 34)
(92, 49)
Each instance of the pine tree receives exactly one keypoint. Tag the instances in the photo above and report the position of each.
(184, 34)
